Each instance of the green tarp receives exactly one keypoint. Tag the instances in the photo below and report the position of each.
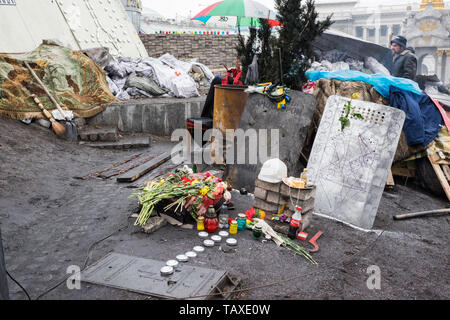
(75, 81)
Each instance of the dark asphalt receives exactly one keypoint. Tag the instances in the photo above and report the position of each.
(50, 221)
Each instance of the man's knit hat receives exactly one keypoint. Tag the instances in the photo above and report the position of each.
(400, 40)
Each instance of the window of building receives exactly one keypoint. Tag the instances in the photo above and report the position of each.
(383, 31)
(371, 33)
(359, 32)
(396, 29)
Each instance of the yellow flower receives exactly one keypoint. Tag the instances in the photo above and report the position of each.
(163, 181)
(194, 182)
(355, 95)
(204, 190)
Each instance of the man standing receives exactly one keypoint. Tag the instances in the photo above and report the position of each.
(405, 62)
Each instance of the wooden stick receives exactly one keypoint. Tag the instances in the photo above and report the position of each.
(46, 90)
(420, 214)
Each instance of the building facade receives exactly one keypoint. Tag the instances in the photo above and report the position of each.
(374, 23)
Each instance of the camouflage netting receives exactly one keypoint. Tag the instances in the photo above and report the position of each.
(75, 81)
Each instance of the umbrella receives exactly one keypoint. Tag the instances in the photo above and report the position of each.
(247, 12)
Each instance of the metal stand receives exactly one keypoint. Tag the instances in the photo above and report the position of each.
(4, 292)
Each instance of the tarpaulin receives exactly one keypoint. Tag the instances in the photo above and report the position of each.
(380, 82)
(75, 81)
(423, 120)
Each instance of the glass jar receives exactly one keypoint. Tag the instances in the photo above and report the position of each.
(211, 221)
(241, 221)
(223, 217)
(257, 232)
(201, 223)
(233, 227)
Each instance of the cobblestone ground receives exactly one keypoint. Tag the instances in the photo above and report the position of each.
(49, 221)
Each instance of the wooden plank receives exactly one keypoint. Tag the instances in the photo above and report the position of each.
(390, 183)
(441, 177)
(446, 170)
(403, 172)
(439, 158)
(145, 168)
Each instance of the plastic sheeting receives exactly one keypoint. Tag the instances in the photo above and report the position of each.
(381, 82)
(165, 76)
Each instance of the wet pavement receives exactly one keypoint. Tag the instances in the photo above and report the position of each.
(51, 221)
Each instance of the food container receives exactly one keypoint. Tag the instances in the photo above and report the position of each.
(216, 239)
(190, 254)
(166, 271)
(182, 258)
(208, 243)
(223, 234)
(199, 249)
(172, 263)
(203, 234)
(231, 242)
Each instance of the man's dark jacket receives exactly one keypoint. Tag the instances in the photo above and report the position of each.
(405, 65)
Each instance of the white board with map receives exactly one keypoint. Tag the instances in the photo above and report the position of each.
(350, 167)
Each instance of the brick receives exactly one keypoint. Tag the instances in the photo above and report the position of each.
(274, 187)
(260, 193)
(306, 205)
(301, 194)
(273, 197)
(267, 207)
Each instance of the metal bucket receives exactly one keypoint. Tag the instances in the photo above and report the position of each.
(229, 103)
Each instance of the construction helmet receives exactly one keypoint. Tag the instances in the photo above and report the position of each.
(273, 171)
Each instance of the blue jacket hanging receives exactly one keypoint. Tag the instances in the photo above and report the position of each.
(423, 120)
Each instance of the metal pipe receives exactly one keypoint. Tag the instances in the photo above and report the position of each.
(4, 292)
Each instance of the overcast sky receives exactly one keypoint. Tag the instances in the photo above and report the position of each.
(172, 8)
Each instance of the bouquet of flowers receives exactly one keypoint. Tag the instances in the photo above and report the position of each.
(194, 192)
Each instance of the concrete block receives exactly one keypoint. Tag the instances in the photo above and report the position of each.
(274, 187)
(263, 205)
(292, 125)
(306, 205)
(273, 197)
(260, 193)
(126, 143)
(302, 194)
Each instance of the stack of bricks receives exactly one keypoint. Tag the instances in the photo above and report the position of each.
(211, 50)
(271, 197)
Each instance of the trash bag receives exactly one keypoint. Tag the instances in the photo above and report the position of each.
(145, 84)
(373, 65)
(252, 72)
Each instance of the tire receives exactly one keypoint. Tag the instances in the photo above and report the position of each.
(426, 177)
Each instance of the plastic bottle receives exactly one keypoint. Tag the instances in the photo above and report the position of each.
(304, 176)
(295, 223)
(223, 217)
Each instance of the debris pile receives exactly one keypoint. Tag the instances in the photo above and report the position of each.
(335, 60)
(150, 77)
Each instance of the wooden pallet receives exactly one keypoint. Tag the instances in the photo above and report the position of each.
(442, 170)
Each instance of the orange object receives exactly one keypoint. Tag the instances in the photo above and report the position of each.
(262, 214)
(302, 236)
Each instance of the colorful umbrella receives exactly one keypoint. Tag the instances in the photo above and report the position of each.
(247, 12)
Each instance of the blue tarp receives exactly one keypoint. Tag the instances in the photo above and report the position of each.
(380, 82)
(423, 120)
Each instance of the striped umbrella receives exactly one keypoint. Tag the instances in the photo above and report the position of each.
(247, 12)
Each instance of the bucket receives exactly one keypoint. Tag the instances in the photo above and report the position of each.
(229, 103)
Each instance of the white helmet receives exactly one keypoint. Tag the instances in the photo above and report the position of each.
(273, 171)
